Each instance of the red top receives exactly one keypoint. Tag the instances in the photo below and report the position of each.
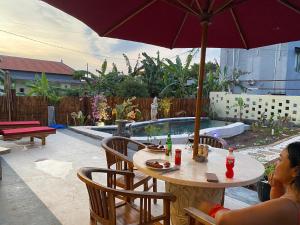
(27, 130)
(14, 123)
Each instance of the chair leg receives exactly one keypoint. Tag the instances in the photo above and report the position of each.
(92, 220)
(223, 197)
(155, 188)
(43, 140)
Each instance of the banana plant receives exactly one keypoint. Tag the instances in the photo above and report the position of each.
(152, 74)
(176, 76)
(136, 70)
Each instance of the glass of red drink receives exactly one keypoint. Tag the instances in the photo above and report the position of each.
(178, 157)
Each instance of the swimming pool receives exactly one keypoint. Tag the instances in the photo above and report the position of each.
(165, 126)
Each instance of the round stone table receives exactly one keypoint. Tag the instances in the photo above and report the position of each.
(189, 183)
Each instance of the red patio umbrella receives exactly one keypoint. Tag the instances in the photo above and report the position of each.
(181, 23)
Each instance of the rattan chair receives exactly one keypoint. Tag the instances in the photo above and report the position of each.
(198, 217)
(116, 149)
(212, 141)
(106, 207)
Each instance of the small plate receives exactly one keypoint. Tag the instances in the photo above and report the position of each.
(160, 161)
(156, 149)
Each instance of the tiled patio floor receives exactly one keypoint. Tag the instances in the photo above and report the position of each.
(40, 182)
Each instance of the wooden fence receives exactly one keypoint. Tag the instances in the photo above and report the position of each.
(35, 108)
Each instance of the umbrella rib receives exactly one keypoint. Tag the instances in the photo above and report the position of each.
(290, 6)
(210, 8)
(239, 28)
(188, 9)
(181, 26)
(223, 7)
(120, 23)
(199, 7)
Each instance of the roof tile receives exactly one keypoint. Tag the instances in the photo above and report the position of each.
(34, 65)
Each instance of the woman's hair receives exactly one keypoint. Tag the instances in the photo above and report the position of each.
(294, 157)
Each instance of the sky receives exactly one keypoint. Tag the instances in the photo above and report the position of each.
(33, 29)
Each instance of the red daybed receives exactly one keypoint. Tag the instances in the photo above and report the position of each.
(32, 132)
(18, 124)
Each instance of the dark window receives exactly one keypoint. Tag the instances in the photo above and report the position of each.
(259, 106)
(273, 107)
(280, 104)
(22, 90)
(297, 61)
(287, 101)
(287, 108)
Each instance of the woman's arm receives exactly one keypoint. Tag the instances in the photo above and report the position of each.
(273, 212)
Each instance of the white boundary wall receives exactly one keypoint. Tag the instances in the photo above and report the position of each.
(222, 103)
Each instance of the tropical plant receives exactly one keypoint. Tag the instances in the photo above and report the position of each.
(152, 131)
(127, 110)
(41, 87)
(100, 109)
(164, 106)
(78, 118)
(176, 76)
(136, 70)
(132, 87)
(152, 74)
(241, 105)
(103, 82)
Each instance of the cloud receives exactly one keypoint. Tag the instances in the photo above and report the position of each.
(79, 44)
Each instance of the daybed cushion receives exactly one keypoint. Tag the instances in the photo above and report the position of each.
(21, 123)
(27, 130)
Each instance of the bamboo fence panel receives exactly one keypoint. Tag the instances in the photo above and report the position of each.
(35, 108)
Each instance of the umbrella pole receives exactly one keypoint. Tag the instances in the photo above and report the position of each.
(200, 87)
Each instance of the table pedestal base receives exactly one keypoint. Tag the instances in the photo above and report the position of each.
(188, 196)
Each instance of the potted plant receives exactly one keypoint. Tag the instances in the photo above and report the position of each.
(263, 186)
(126, 112)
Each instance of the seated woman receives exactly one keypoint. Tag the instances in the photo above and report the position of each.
(284, 206)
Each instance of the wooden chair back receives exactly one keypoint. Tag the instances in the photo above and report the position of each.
(103, 198)
(116, 150)
(212, 141)
(197, 217)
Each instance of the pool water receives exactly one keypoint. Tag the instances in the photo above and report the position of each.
(174, 127)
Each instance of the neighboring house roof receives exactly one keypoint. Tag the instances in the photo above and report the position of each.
(34, 65)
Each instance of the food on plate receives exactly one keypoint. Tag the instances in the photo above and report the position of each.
(155, 164)
(167, 164)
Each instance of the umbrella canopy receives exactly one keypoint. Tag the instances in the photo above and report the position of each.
(177, 23)
(191, 23)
